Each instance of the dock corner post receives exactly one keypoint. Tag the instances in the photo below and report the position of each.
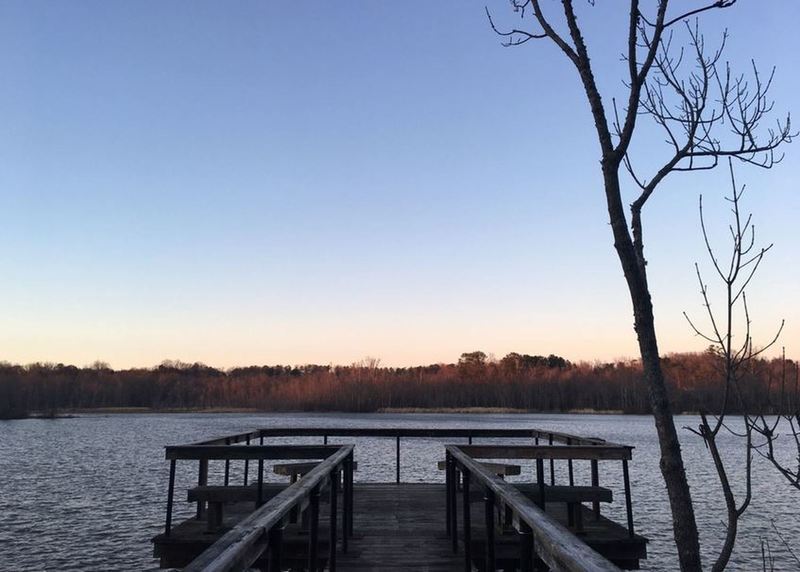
(170, 497)
(349, 490)
(260, 499)
(467, 524)
(569, 467)
(246, 462)
(540, 481)
(448, 482)
(526, 556)
(275, 541)
(397, 460)
(552, 464)
(227, 465)
(489, 517)
(202, 480)
(454, 507)
(313, 534)
(596, 483)
(628, 500)
(325, 439)
(333, 524)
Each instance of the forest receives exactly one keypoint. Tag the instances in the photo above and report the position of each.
(517, 381)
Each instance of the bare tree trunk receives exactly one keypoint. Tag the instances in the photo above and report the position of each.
(671, 461)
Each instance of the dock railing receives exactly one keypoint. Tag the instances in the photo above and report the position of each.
(541, 537)
(536, 435)
(262, 530)
(548, 540)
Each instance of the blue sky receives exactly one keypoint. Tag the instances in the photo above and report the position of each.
(251, 182)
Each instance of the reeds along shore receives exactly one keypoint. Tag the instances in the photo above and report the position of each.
(517, 382)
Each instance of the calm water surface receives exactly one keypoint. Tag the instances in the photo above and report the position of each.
(88, 493)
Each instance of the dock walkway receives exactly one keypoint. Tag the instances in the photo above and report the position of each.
(398, 530)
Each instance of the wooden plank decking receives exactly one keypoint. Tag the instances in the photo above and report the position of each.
(400, 527)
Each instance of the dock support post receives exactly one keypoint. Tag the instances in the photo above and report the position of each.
(526, 557)
(202, 480)
(489, 517)
(596, 483)
(348, 494)
(569, 467)
(246, 463)
(170, 497)
(334, 533)
(260, 482)
(540, 481)
(454, 507)
(397, 461)
(552, 464)
(227, 465)
(448, 478)
(467, 523)
(274, 543)
(313, 534)
(628, 501)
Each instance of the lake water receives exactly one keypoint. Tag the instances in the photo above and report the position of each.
(88, 493)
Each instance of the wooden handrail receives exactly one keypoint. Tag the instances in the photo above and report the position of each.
(272, 452)
(243, 544)
(596, 452)
(552, 542)
(404, 432)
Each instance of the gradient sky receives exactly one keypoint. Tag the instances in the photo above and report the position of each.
(283, 182)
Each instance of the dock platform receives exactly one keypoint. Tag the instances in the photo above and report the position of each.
(323, 520)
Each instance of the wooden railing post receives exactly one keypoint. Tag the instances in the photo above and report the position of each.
(313, 534)
(628, 500)
(246, 462)
(489, 518)
(334, 485)
(569, 467)
(275, 541)
(260, 497)
(448, 480)
(540, 481)
(170, 497)
(349, 490)
(467, 522)
(202, 480)
(454, 507)
(552, 464)
(596, 483)
(227, 465)
(526, 556)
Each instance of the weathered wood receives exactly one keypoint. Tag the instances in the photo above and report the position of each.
(264, 452)
(563, 493)
(500, 469)
(554, 544)
(231, 493)
(240, 547)
(298, 469)
(596, 452)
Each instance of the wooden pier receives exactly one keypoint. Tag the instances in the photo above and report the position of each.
(324, 520)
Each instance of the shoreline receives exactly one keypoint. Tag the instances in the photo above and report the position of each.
(72, 413)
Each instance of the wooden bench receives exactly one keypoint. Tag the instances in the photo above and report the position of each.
(499, 469)
(573, 496)
(215, 496)
(296, 470)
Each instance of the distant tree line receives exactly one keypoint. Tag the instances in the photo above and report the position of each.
(517, 381)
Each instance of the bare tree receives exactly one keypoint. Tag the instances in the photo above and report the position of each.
(706, 112)
(768, 429)
(736, 356)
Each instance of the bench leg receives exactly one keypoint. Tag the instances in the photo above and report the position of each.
(214, 516)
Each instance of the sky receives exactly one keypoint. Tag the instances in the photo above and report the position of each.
(281, 182)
